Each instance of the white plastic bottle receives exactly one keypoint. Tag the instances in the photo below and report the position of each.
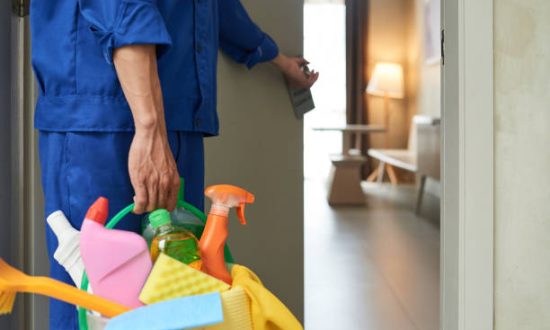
(68, 250)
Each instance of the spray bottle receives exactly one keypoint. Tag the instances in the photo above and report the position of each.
(211, 245)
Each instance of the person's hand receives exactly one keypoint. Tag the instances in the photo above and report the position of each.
(151, 165)
(293, 70)
(153, 171)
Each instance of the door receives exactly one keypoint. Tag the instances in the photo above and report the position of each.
(22, 239)
(10, 228)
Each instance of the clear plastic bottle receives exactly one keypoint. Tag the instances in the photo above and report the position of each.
(180, 218)
(176, 242)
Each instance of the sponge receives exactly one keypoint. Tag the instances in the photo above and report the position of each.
(172, 279)
(181, 313)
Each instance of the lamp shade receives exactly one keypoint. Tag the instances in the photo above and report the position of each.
(387, 80)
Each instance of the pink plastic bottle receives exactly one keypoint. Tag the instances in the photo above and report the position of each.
(117, 262)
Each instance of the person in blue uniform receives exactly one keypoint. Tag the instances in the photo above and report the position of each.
(127, 91)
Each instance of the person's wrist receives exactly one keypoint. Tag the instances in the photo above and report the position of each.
(152, 137)
(281, 62)
(148, 115)
(147, 123)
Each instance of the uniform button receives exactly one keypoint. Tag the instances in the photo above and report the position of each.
(199, 49)
(197, 122)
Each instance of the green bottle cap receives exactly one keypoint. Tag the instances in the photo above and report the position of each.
(159, 218)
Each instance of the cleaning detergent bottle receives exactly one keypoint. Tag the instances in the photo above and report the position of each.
(180, 218)
(173, 241)
(68, 248)
(117, 262)
(212, 242)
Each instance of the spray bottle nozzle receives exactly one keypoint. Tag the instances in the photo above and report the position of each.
(227, 196)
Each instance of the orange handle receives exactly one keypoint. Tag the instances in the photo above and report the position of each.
(67, 293)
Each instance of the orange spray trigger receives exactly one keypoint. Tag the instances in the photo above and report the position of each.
(249, 199)
(240, 214)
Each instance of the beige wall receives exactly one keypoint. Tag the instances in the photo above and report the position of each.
(396, 35)
(522, 163)
(261, 149)
(423, 83)
(387, 42)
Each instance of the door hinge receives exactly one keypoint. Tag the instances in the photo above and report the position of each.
(20, 7)
(443, 47)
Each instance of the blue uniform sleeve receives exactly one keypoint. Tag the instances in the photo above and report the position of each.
(240, 38)
(118, 23)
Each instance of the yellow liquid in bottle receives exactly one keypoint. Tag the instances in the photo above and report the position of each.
(180, 245)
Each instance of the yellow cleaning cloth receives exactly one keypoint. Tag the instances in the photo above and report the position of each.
(236, 311)
(268, 312)
(171, 279)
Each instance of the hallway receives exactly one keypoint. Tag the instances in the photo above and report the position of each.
(371, 268)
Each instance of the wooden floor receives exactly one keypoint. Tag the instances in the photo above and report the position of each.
(374, 267)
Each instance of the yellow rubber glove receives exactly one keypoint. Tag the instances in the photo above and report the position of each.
(267, 311)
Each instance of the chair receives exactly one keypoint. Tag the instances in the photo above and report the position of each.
(421, 157)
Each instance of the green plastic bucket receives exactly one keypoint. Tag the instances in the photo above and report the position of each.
(83, 314)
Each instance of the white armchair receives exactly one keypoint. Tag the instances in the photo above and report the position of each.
(421, 157)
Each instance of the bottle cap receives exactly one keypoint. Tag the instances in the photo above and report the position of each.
(159, 218)
(99, 210)
(59, 223)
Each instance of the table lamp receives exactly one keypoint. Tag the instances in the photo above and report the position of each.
(387, 81)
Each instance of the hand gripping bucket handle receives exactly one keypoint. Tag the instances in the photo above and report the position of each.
(82, 312)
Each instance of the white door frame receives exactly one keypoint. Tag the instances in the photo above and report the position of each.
(467, 144)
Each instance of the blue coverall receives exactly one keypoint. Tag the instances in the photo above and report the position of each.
(84, 122)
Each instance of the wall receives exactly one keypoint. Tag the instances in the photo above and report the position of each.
(423, 78)
(522, 160)
(261, 149)
(5, 107)
(5, 148)
(387, 42)
(396, 34)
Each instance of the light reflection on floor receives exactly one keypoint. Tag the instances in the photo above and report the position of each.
(371, 268)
